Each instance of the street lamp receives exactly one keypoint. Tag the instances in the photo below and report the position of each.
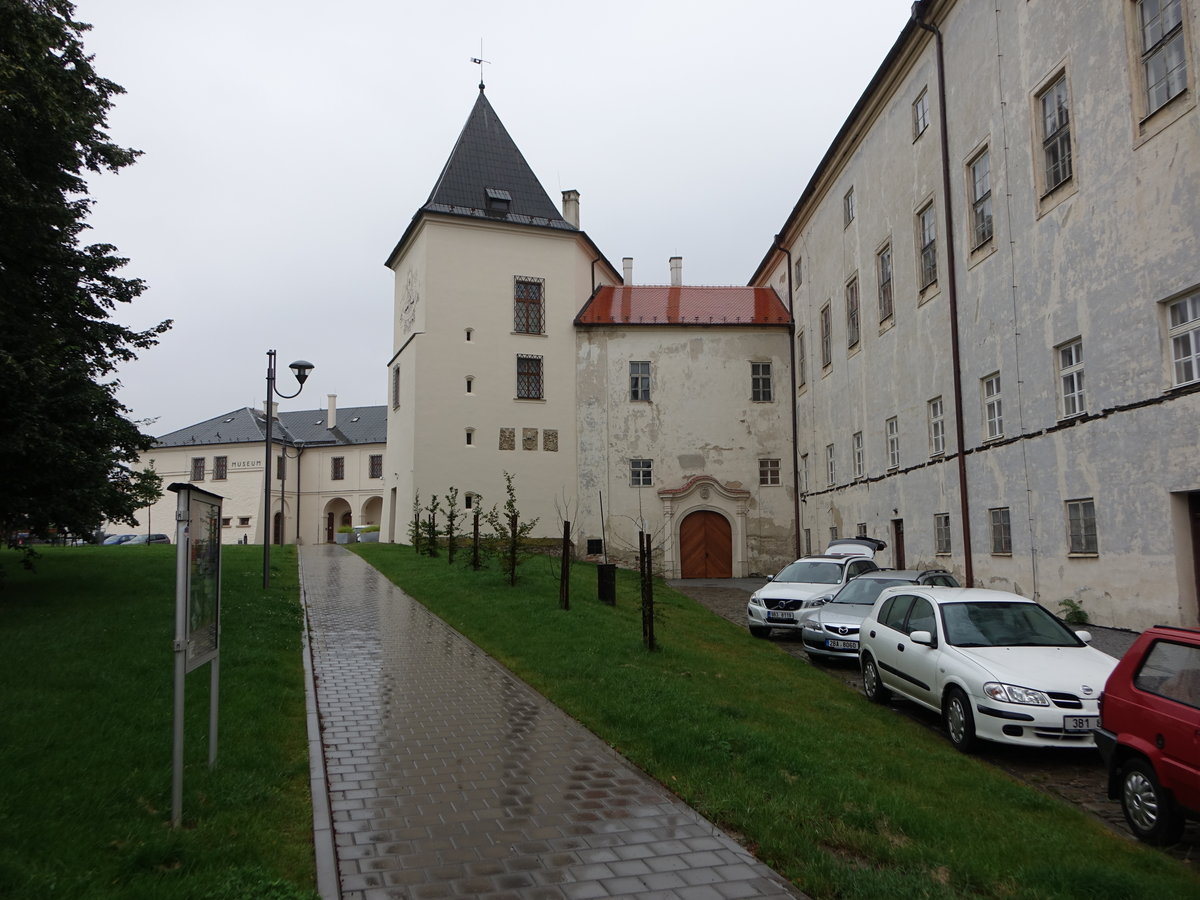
(301, 368)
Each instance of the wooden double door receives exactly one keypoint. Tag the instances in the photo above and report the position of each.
(705, 546)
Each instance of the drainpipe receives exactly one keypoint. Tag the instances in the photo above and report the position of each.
(951, 294)
(792, 399)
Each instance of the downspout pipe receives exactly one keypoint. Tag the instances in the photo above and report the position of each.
(792, 398)
(918, 10)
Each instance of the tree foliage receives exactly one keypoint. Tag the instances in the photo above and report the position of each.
(69, 448)
(510, 533)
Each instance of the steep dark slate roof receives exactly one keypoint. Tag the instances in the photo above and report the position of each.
(355, 425)
(487, 177)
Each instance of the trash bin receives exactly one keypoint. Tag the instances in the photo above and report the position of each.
(606, 580)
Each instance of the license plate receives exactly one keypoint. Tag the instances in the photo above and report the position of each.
(841, 645)
(781, 617)
(1077, 724)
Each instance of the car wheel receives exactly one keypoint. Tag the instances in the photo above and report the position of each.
(1148, 809)
(759, 631)
(872, 686)
(960, 723)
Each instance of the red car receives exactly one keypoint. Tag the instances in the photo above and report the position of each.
(1149, 733)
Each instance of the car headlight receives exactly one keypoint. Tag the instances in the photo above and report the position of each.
(1011, 693)
(754, 600)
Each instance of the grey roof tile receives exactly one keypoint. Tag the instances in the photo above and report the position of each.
(355, 425)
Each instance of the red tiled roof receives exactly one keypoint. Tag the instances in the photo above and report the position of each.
(664, 305)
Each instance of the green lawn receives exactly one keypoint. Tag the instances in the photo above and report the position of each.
(844, 798)
(86, 733)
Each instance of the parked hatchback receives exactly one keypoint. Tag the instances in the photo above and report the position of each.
(147, 539)
(1149, 732)
(996, 665)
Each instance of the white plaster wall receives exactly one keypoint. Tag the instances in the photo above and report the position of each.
(1095, 261)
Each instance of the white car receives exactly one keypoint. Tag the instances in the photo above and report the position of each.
(997, 666)
(797, 586)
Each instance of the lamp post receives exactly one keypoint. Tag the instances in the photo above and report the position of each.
(301, 368)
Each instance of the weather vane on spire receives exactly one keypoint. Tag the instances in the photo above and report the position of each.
(479, 60)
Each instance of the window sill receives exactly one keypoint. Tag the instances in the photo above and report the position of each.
(530, 399)
(540, 334)
(1095, 555)
(1007, 554)
(887, 324)
(1056, 195)
(927, 293)
(1153, 124)
(980, 253)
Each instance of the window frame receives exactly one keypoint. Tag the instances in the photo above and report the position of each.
(936, 409)
(529, 380)
(337, 468)
(375, 465)
(993, 406)
(198, 464)
(942, 535)
(853, 314)
(1082, 539)
(848, 207)
(1183, 339)
(1057, 157)
(220, 468)
(1072, 397)
(885, 270)
(858, 454)
(768, 472)
(1000, 518)
(830, 465)
(826, 324)
(801, 360)
(920, 113)
(980, 190)
(892, 431)
(641, 472)
(1160, 48)
(927, 255)
(529, 313)
(761, 386)
(639, 381)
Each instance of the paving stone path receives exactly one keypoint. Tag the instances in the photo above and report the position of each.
(449, 777)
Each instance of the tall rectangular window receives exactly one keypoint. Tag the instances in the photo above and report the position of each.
(396, 386)
(801, 360)
(893, 442)
(375, 465)
(197, 468)
(1001, 530)
(808, 542)
(281, 468)
(883, 265)
(641, 472)
(1183, 319)
(856, 446)
(852, 312)
(941, 533)
(1056, 134)
(220, 468)
(760, 382)
(927, 240)
(528, 305)
(1081, 525)
(937, 427)
(337, 468)
(639, 382)
(1164, 57)
(920, 114)
(804, 473)
(826, 336)
(993, 407)
(768, 471)
(848, 207)
(1070, 378)
(830, 468)
(529, 377)
(981, 199)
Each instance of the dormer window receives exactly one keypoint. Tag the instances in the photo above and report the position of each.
(498, 200)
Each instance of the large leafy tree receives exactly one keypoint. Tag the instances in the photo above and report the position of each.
(69, 450)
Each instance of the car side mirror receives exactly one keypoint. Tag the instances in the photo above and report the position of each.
(1085, 636)
(922, 637)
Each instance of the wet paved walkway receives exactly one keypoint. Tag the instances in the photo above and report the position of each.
(449, 777)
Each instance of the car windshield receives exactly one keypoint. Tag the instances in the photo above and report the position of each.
(811, 572)
(864, 591)
(1003, 624)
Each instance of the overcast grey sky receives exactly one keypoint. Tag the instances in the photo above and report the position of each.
(289, 142)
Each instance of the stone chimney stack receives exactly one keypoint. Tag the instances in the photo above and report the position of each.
(676, 271)
(570, 207)
(627, 265)
(331, 416)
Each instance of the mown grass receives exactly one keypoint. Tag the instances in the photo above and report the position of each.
(86, 733)
(846, 799)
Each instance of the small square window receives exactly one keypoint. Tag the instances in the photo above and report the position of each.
(768, 471)
(243, 521)
(641, 472)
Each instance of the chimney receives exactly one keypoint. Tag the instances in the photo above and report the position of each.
(627, 264)
(571, 207)
(271, 411)
(676, 271)
(331, 417)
